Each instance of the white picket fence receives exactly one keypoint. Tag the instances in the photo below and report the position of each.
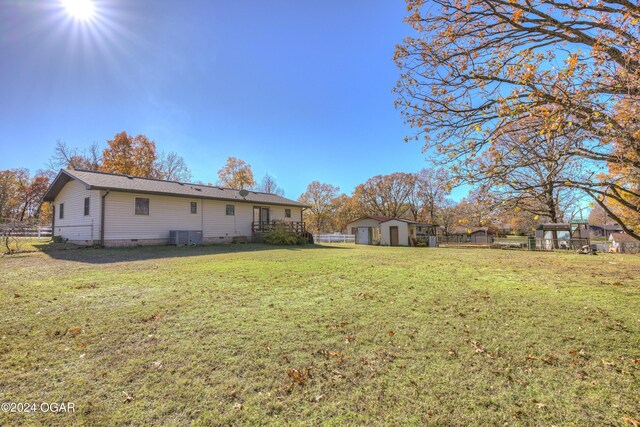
(334, 238)
(39, 232)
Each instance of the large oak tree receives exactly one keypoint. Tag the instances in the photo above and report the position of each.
(476, 67)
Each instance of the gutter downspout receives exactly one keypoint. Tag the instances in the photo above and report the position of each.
(102, 209)
(53, 220)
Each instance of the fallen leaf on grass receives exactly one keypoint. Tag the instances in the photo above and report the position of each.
(540, 405)
(630, 421)
(476, 345)
(349, 338)
(617, 284)
(155, 316)
(605, 363)
(298, 376)
(127, 397)
(75, 332)
(390, 333)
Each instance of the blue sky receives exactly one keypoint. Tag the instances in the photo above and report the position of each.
(301, 90)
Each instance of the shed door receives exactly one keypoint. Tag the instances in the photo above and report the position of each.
(393, 231)
(363, 236)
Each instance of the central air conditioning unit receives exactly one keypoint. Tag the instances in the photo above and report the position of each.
(185, 237)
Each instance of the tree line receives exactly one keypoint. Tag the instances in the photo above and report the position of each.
(21, 192)
(425, 197)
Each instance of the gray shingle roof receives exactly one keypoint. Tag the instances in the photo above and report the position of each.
(131, 184)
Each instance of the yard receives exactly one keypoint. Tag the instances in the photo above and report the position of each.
(321, 334)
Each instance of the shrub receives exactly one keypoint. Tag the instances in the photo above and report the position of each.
(279, 236)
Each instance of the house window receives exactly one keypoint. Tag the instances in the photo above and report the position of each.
(194, 207)
(61, 210)
(87, 201)
(287, 213)
(231, 210)
(142, 206)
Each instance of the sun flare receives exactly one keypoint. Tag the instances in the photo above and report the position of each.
(82, 10)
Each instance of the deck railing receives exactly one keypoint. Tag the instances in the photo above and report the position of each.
(265, 227)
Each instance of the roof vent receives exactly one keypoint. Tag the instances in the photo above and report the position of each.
(197, 189)
(129, 176)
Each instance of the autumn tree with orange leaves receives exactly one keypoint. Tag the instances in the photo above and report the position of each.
(21, 195)
(130, 155)
(320, 199)
(386, 195)
(477, 67)
(236, 173)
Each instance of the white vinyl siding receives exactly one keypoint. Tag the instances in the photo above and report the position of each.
(75, 225)
(276, 213)
(165, 213)
(352, 228)
(218, 224)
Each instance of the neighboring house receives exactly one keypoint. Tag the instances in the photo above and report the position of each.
(119, 210)
(380, 230)
(623, 243)
(605, 230)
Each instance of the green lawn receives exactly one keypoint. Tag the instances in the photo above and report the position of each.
(338, 335)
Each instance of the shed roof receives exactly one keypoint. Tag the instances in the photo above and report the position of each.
(578, 221)
(558, 226)
(373, 217)
(94, 180)
(623, 237)
(408, 221)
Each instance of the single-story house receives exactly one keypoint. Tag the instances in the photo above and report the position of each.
(605, 230)
(111, 209)
(381, 230)
(623, 243)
